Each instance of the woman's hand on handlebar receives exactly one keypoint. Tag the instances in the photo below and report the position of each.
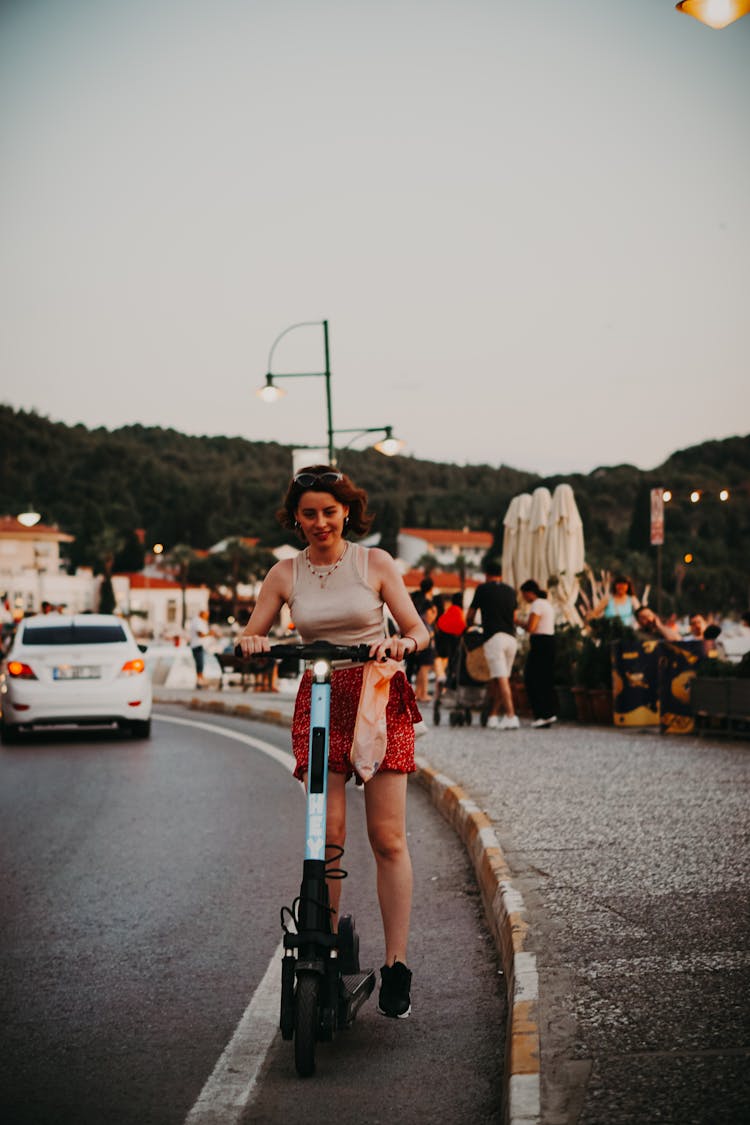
(393, 648)
(253, 643)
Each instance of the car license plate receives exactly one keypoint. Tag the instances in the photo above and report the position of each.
(76, 672)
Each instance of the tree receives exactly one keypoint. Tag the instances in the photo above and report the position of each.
(388, 524)
(106, 544)
(427, 563)
(243, 564)
(196, 490)
(179, 560)
(132, 554)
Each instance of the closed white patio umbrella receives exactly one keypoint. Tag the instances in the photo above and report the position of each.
(565, 551)
(522, 562)
(510, 536)
(541, 505)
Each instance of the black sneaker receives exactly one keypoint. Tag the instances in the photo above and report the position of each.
(394, 999)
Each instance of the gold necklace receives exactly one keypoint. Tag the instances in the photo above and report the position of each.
(324, 573)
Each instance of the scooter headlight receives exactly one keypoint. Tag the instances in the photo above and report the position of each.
(320, 669)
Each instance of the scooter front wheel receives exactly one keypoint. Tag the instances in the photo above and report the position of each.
(306, 1004)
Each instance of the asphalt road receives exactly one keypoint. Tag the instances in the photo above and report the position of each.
(141, 890)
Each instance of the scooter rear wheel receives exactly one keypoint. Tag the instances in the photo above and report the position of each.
(306, 1003)
(348, 940)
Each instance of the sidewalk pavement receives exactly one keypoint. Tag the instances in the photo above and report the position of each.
(613, 866)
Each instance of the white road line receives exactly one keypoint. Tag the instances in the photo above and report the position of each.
(229, 1090)
(227, 1093)
(281, 756)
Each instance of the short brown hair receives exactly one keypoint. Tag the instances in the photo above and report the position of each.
(344, 490)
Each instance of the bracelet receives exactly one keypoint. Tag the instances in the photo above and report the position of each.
(408, 637)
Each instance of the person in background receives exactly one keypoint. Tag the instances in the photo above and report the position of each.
(422, 598)
(495, 601)
(539, 672)
(7, 625)
(449, 628)
(425, 660)
(697, 626)
(712, 646)
(649, 626)
(621, 603)
(198, 630)
(744, 665)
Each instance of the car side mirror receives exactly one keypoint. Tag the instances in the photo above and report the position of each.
(143, 648)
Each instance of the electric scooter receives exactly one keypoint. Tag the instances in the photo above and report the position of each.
(322, 985)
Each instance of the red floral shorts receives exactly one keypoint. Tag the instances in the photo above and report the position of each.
(401, 714)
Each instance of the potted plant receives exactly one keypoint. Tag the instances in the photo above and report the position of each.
(568, 645)
(594, 666)
(521, 704)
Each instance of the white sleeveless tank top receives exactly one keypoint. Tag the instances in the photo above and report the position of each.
(345, 610)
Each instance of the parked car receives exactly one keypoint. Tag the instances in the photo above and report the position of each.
(84, 669)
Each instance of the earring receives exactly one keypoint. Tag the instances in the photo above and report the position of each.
(346, 522)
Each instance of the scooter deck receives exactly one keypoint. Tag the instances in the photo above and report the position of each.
(355, 989)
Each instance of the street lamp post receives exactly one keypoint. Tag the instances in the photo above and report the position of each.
(269, 392)
(30, 518)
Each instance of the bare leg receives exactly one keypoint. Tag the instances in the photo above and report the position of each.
(495, 696)
(423, 684)
(506, 696)
(385, 804)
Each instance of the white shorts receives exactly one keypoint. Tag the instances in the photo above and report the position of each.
(500, 651)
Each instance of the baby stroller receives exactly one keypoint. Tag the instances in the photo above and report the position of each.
(465, 688)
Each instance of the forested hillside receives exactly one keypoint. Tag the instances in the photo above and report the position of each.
(198, 490)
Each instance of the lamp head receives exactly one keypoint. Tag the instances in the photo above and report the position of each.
(715, 13)
(389, 446)
(269, 392)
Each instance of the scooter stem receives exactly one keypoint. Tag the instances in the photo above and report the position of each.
(317, 778)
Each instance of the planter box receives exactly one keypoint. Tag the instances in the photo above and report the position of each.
(520, 698)
(721, 705)
(583, 705)
(566, 703)
(600, 701)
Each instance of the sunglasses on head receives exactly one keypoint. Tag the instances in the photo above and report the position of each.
(307, 480)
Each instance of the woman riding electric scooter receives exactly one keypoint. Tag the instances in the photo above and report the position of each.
(336, 591)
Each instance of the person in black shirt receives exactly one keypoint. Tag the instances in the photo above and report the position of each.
(496, 602)
(422, 599)
(423, 596)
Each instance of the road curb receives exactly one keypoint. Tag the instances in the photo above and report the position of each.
(240, 710)
(504, 909)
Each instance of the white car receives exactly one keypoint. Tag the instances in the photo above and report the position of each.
(84, 669)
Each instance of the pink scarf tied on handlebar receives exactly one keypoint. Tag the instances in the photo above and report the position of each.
(370, 734)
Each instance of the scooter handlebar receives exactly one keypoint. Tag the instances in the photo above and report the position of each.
(317, 650)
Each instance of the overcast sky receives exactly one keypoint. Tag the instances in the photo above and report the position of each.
(527, 223)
